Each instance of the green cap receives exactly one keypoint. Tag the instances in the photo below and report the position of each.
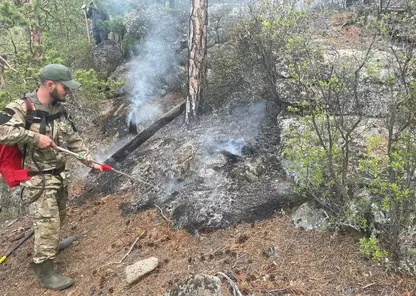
(58, 72)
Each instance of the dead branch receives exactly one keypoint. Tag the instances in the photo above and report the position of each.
(124, 151)
(128, 252)
(163, 215)
(236, 291)
(7, 64)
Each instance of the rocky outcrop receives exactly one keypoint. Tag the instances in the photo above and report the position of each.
(373, 96)
(407, 250)
(106, 58)
(308, 217)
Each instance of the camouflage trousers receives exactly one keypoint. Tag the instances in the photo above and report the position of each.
(47, 208)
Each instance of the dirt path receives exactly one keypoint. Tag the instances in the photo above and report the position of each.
(265, 258)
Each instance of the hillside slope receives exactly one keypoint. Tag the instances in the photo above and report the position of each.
(264, 258)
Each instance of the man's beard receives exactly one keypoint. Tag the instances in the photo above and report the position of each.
(55, 96)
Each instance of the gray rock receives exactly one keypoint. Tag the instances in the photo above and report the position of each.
(216, 161)
(122, 74)
(137, 270)
(106, 58)
(198, 285)
(251, 177)
(10, 202)
(407, 250)
(309, 217)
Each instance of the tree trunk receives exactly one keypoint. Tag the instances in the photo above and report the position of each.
(35, 34)
(198, 24)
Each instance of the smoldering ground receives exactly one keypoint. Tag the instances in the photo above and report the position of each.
(201, 188)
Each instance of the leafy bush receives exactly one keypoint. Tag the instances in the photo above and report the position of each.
(370, 247)
(362, 182)
(93, 88)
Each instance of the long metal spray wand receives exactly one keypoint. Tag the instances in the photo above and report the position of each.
(106, 167)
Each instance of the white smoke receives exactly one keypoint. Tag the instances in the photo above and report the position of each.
(234, 131)
(157, 57)
(102, 156)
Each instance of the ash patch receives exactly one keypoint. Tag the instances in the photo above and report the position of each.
(222, 171)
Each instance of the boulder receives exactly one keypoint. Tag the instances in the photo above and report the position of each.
(106, 58)
(309, 217)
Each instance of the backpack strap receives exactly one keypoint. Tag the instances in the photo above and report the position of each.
(29, 108)
(70, 121)
(42, 117)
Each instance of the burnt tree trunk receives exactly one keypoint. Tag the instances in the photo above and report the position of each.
(124, 151)
(198, 24)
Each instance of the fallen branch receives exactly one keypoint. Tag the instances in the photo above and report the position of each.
(131, 248)
(368, 286)
(7, 64)
(163, 215)
(124, 151)
(12, 222)
(236, 291)
(128, 252)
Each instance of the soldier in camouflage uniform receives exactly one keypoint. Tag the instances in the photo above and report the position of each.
(46, 192)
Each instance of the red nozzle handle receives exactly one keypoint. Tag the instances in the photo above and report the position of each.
(106, 167)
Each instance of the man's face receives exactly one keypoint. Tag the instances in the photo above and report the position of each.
(59, 91)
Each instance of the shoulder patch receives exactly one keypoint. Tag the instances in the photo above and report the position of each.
(6, 115)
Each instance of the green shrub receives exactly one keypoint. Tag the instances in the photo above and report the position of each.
(92, 87)
(370, 247)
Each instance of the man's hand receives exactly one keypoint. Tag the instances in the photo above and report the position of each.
(45, 142)
(97, 167)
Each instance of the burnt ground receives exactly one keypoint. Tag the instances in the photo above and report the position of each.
(222, 171)
(264, 258)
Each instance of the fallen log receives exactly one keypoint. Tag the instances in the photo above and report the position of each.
(142, 137)
(109, 182)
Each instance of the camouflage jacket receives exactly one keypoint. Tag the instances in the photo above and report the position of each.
(60, 131)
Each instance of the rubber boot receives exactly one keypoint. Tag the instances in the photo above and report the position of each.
(65, 243)
(48, 278)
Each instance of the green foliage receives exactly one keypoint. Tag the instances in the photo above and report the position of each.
(94, 88)
(262, 39)
(129, 41)
(225, 76)
(376, 167)
(370, 247)
(115, 25)
(4, 99)
(252, 52)
(63, 40)
(322, 152)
